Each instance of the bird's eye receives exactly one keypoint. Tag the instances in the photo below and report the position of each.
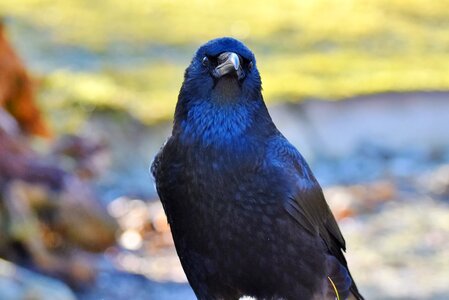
(205, 61)
(250, 65)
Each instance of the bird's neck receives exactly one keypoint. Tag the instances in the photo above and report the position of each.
(212, 123)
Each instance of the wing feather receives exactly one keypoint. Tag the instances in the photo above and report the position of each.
(309, 208)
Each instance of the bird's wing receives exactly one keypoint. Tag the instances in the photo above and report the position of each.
(154, 165)
(161, 177)
(309, 208)
(307, 205)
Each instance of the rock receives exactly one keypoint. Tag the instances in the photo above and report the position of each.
(82, 219)
(393, 121)
(17, 283)
(83, 156)
(47, 212)
(436, 182)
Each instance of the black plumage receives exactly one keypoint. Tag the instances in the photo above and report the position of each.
(246, 213)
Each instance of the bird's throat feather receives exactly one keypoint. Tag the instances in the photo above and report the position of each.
(213, 123)
(216, 112)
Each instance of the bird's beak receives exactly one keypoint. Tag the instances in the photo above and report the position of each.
(228, 62)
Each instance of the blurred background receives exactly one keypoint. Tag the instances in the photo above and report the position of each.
(87, 93)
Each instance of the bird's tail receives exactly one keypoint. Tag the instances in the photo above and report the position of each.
(340, 284)
(355, 294)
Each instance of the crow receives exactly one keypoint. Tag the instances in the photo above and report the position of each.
(247, 215)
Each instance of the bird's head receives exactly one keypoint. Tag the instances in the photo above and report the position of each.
(223, 69)
(221, 89)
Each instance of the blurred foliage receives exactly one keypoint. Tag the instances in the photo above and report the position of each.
(324, 49)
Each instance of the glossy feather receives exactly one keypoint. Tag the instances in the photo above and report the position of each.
(247, 215)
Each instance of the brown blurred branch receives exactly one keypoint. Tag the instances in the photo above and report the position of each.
(17, 93)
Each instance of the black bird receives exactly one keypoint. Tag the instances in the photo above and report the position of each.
(247, 215)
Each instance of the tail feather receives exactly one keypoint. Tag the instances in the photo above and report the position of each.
(340, 284)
